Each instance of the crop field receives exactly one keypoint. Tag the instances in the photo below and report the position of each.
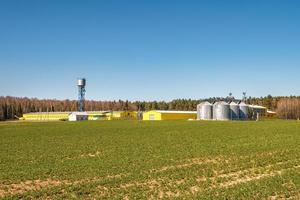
(150, 160)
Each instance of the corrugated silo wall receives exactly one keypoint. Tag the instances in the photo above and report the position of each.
(214, 109)
(198, 111)
(244, 111)
(221, 111)
(206, 111)
(234, 111)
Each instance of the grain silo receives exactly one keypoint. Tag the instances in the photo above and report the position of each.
(204, 111)
(198, 111)
(214, 115)
(244, 111)
(234, 111)
(221, 111)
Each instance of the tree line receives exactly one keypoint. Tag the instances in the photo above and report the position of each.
(14, 107)
(289, 108)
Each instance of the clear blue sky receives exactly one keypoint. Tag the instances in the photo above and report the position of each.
(149, 50)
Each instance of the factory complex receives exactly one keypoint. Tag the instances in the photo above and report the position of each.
(221, 111)
(205, 111)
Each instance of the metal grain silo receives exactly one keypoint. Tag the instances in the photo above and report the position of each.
(214, 114)
(221, 111)
(204, 111)
(198, 111)
(244, 111)
(234, 112)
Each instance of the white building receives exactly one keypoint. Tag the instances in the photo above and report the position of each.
(78, 116)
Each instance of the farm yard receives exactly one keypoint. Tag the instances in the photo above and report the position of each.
(150, 160)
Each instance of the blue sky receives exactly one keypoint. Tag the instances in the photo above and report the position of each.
(149, 50)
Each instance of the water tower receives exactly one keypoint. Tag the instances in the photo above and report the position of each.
(81, 82)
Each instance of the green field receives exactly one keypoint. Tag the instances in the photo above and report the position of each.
(150, 160)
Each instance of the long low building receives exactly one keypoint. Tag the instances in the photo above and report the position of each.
(258, 109)
(91, 115)
(61, 116)
(122, 115)
(45, 116)
(169, 115)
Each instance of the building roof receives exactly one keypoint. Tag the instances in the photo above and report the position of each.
(221, 103)
(68, 112)
(258, 107)
(271, 112)
(98, 112)
(175, 111)
(205, 103)
(49, 112)
(79, 113)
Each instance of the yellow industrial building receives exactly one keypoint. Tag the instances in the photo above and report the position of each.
(122, 115)
(169, 115)
(92, 115)
(60, 116)
(97, 115)
(46, 116)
